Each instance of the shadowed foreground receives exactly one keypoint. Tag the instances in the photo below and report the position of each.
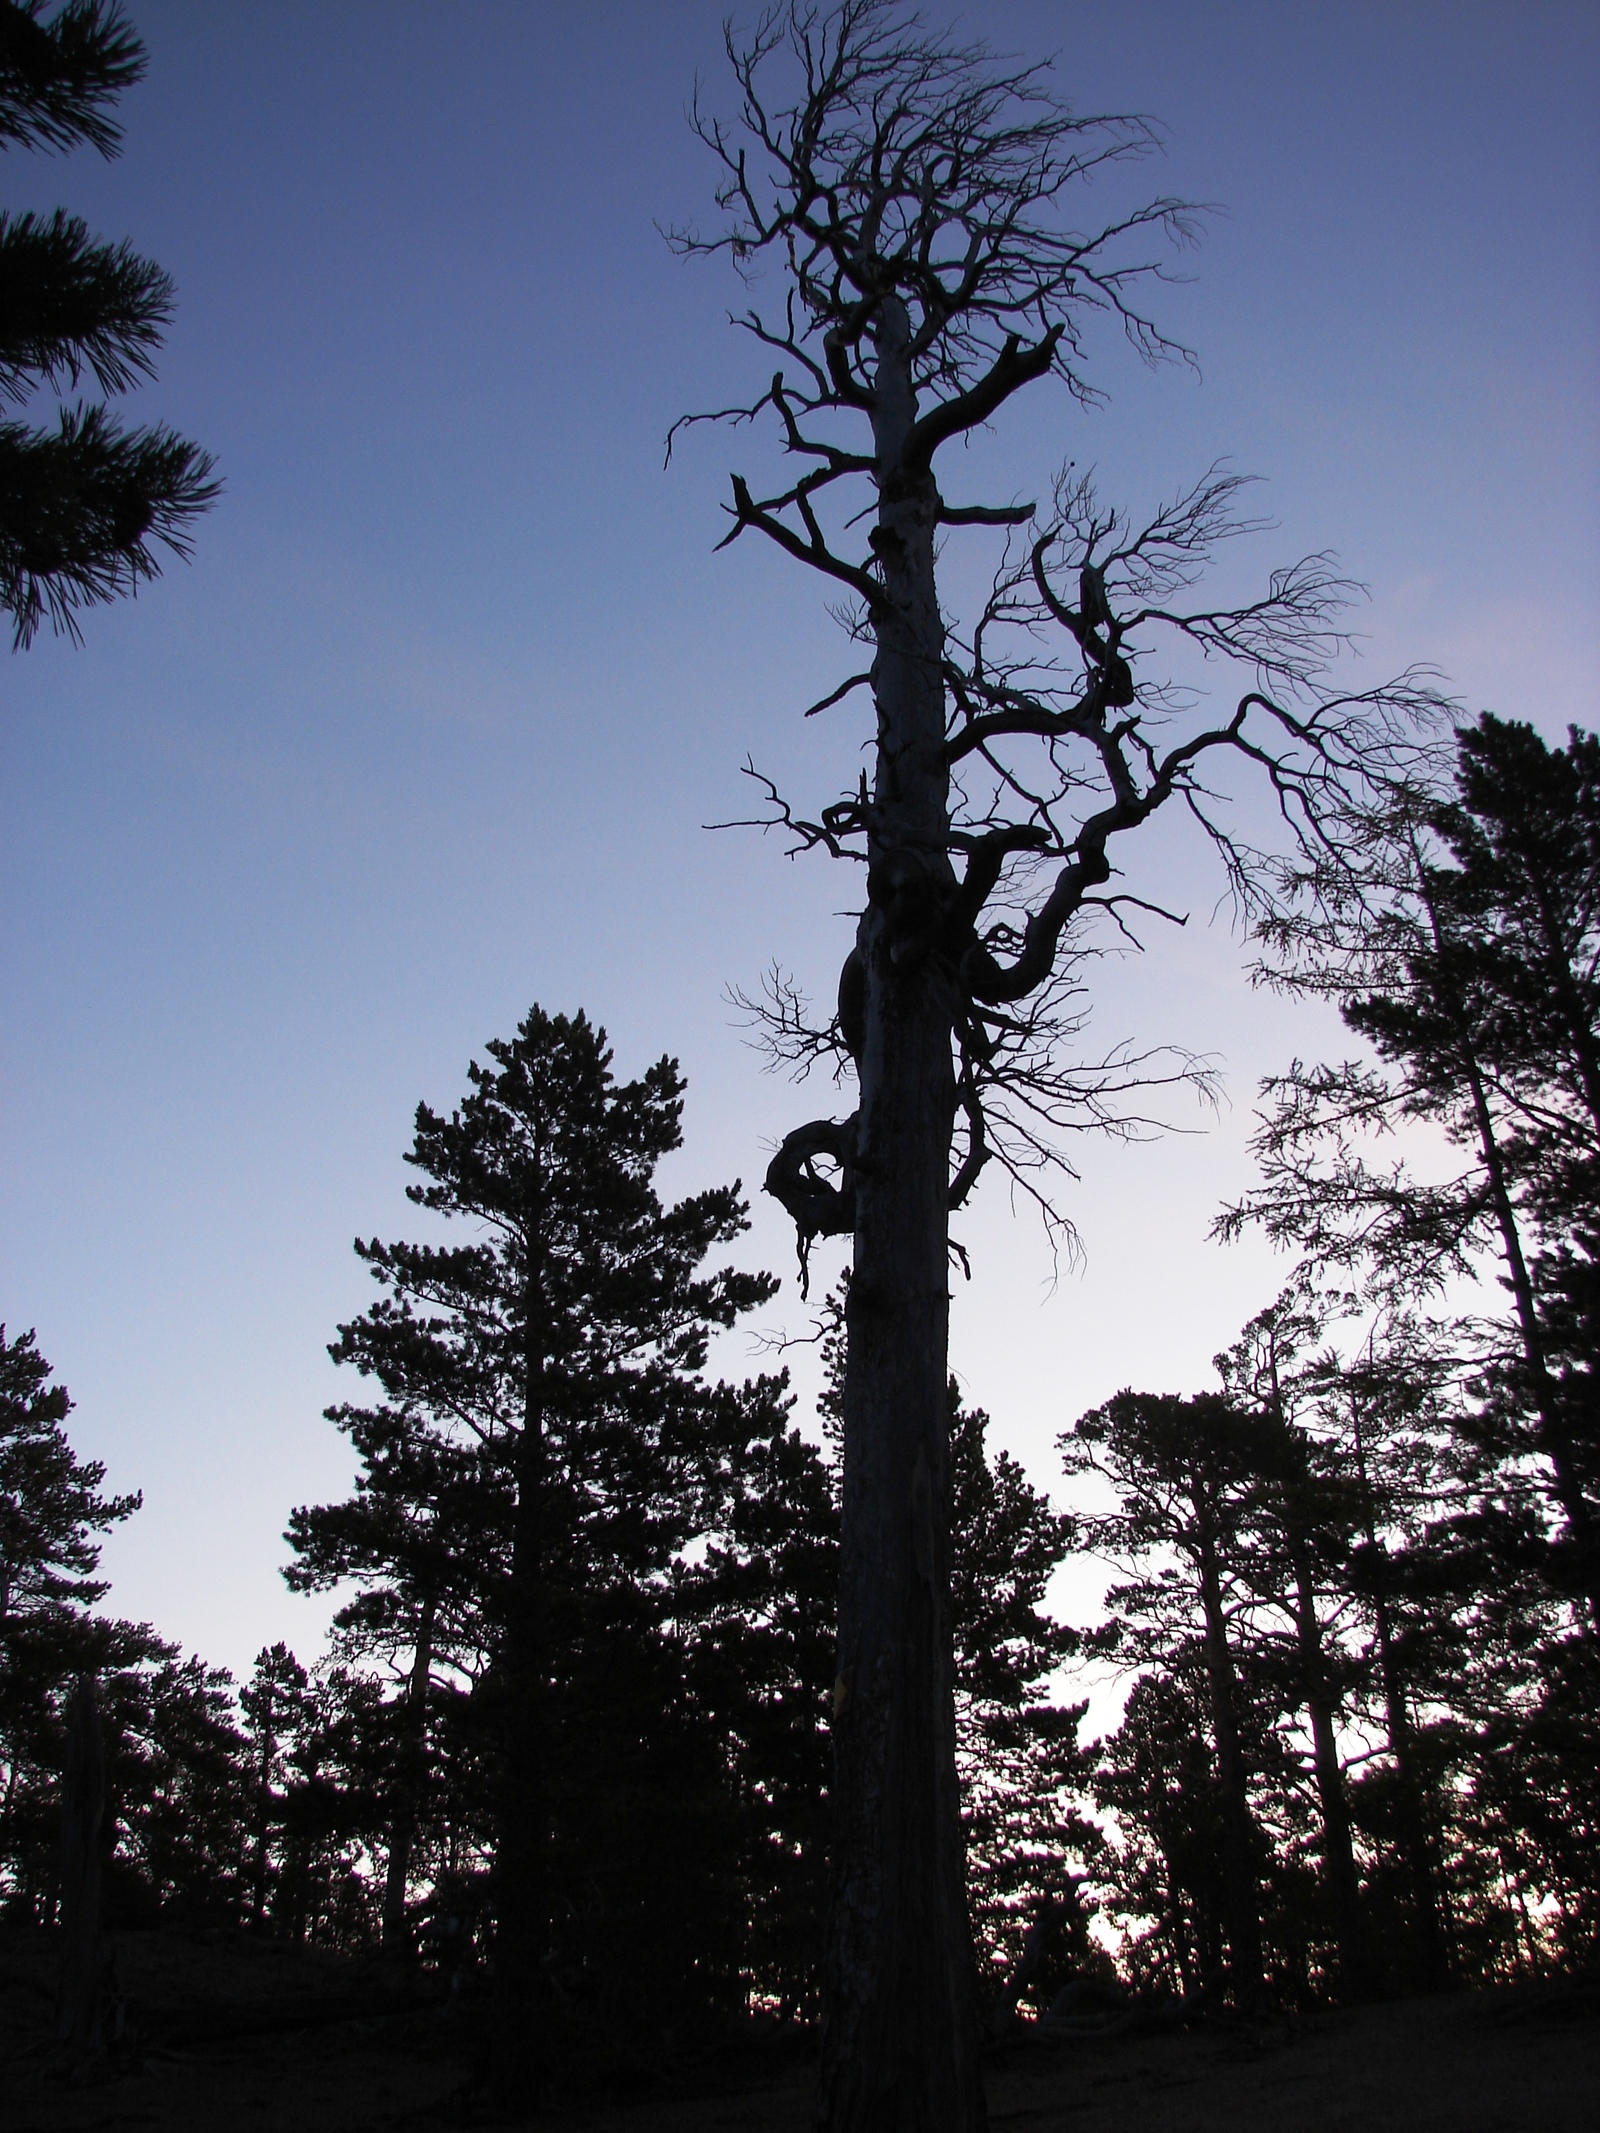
(224, 2032)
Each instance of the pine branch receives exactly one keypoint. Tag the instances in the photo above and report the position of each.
(81, 508)
(68, 304)
(57, 77)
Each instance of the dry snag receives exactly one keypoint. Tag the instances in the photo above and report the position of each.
(912, 198)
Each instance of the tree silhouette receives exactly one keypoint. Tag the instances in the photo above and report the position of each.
(914, 195)
(421, 1541)
(1185, 1476)
(1459, 936)
(546, 1414)
(171, 1784)
(1310, 1511)
(1024, 1776)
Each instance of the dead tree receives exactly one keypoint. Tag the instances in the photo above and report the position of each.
(913, 196)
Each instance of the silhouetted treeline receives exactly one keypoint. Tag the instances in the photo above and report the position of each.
(571, 1730)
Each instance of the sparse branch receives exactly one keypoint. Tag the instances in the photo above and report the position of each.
(784, 1029)
(1315, 749)
(835, 696)
(1036, 1095)
(813, 550)
(910, 165)
(844, 819)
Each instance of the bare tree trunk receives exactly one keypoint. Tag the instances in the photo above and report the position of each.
(80, 1997)
(1432, 1959)
(1554, 1437)
(403, 1829)
(519, 2050)
(900, 2041)
(1338, 1852)
(1241, 1904)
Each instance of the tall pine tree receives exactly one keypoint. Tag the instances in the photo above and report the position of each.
(561, 1353)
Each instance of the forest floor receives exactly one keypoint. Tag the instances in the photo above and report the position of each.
(227, 2033)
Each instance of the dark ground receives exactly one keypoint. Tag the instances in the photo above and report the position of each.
(228, 2033)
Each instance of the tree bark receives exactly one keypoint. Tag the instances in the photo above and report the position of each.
(1242, 1914)
(900, 2039)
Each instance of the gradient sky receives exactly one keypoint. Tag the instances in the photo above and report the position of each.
(429, 728)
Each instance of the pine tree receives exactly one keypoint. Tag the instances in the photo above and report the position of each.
(173, 1811)
(1185, 1480)
(1458, 935)
(757, 1619)
(179, 1783)
(1156, 1776)
(273, 1705)
(1300, 1572)
(1524, 832)
(50, 1502)
(548, 1381)
(1024, 1778)
(83, 505)
(52, 1514)
(418, 1541)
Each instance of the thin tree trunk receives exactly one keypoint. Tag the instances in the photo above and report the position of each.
(1433, 1959)
(1554, 1439)
(519, 2055)
(412, 1744)
(1338, 1852)
(263, 1830)
(1553, 1436)
(1178, 1928)
(900, 2039)
(1029, 1962)
(12, 1777)
(1241, 1904)
(80, 1997)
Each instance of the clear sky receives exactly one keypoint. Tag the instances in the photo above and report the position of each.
(429, 728)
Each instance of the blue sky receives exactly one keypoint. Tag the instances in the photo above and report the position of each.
(429, 728)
